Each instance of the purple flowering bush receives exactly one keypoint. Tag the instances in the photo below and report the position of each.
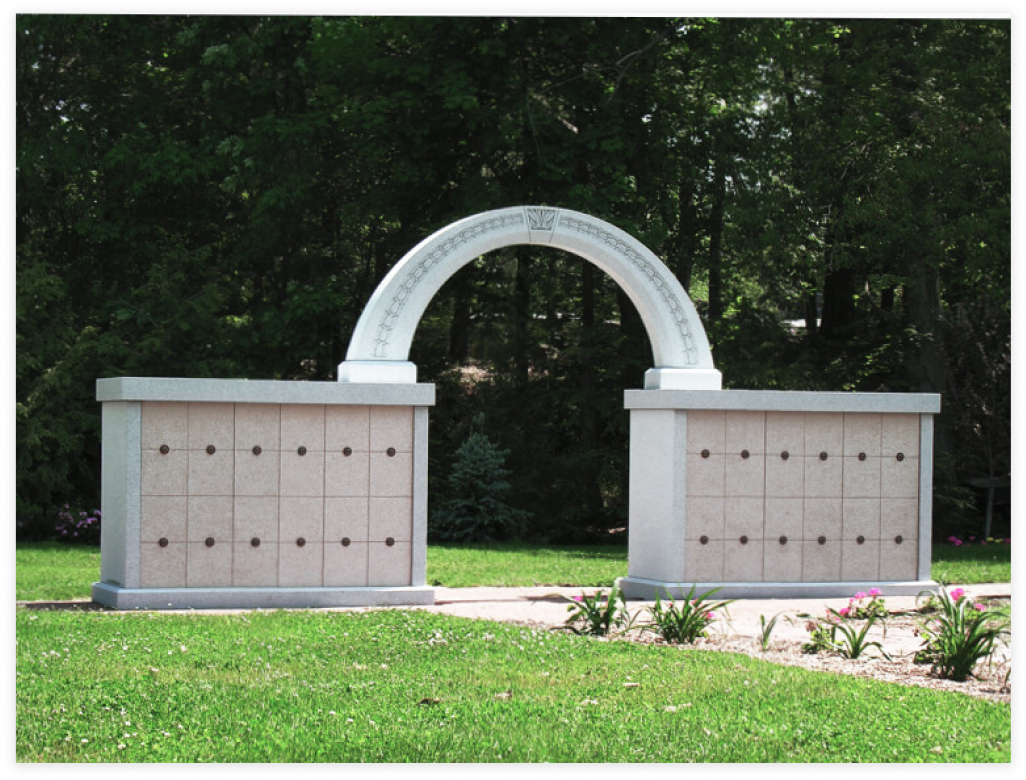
(77, 527)
(969, 541)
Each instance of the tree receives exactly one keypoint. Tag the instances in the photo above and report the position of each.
(477, 509)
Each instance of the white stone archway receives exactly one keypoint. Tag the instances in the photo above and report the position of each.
(379, 350)
(718, 478)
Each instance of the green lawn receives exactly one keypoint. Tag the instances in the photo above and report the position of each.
(409, 686)
(968, 565)
(53, 571)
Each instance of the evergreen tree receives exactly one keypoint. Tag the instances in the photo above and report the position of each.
(477, 508)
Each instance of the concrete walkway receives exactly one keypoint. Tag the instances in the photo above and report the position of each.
(548, 606)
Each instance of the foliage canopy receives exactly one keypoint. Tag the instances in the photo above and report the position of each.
(218, 196)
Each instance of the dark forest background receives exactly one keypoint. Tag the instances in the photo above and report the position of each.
(219, 196)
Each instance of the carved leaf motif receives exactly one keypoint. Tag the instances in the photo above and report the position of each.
(541, 219)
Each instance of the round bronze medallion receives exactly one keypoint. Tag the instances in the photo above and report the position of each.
(164, 449)
(209, 541)
(163, 542)
(211, 449)
(346, 542)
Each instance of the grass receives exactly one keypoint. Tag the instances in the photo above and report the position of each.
(522, 565)
(54, 571)
(972, 564)
(409, 686)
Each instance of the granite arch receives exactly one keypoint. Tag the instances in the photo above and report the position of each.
(379, 349)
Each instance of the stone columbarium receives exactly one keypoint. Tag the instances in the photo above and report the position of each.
(240, 493)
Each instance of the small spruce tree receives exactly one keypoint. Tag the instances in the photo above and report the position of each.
(477, 508)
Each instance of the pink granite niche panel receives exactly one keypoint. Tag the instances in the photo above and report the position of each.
(801, 496)
(275, 495)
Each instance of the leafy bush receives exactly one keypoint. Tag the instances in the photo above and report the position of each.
(78, 527)
(684, 622)
(477, 510)
(960, 636)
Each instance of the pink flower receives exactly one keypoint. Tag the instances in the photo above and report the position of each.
(709, 616)
(957, 593)
(980, 607)
(860, 595)
(952, 538)
(844, 611)
(874, 592)
(958, 543)
(1008, 541)
(578, 598)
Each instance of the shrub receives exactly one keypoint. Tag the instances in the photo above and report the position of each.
(78, 527)
(960, 636)
(477, 508)
(684, 622)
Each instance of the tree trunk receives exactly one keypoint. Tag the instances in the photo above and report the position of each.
(716, 242)
(838, 304)
(459, 328)
(521, 317)
(589, 439)
(687, 235)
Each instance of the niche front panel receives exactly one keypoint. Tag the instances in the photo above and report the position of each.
(801, 497)
(275, 495)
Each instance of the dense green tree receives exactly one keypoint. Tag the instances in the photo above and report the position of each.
(219, 196)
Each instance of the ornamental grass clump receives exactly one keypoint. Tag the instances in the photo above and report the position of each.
(598, 615)
(766, 628)
(685, 621)
(960, 636)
